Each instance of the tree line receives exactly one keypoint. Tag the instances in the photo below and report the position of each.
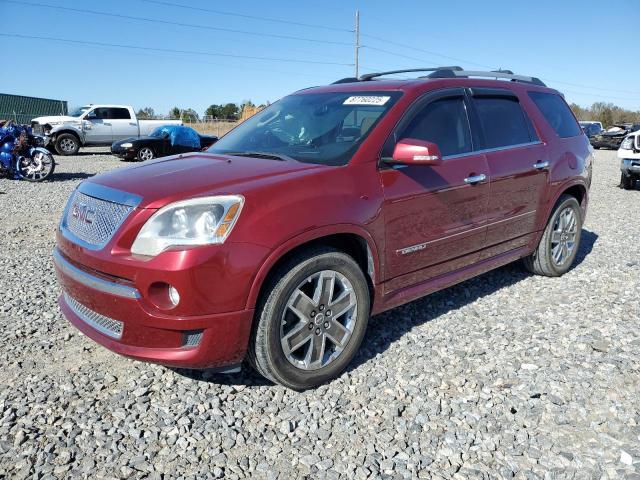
(226, 111)
(606, 113)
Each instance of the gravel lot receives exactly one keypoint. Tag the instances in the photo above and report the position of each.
(507, 375)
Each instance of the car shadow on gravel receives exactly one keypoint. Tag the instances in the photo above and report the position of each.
(387, 327)
(72, 176)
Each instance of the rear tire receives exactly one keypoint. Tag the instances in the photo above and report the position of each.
(67, 144)
(627, 182)
(298, 341)
(560, 241)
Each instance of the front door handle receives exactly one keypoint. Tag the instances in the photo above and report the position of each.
(475, 179)
(541, 165)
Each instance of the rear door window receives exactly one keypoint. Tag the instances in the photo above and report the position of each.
(445, 123)
(557, 113)
(503, 121)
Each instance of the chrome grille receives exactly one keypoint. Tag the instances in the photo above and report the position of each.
(105, 325)
(92, 220)
(37, 129)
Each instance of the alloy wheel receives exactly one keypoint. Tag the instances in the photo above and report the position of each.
(35, 168)
(563, 237)
(67, 145)
(145, 154)
(318, 320)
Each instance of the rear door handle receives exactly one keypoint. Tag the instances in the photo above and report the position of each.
(541, 165)
(475, 179)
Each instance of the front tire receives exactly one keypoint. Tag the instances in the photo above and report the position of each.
(560, 241)
(311, 320)
(145, 153)
(67, 144)
(627, 182)
(36, 169)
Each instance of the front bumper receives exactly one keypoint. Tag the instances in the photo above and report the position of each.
(115, 314)
(123, 152)
(630, 166)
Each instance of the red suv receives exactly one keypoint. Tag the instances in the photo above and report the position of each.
(335, 203)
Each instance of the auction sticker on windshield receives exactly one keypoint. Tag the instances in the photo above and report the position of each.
(366, 100)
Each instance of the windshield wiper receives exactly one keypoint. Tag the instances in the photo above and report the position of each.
(272, 156)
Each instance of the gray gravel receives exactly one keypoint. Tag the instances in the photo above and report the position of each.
(507, 375)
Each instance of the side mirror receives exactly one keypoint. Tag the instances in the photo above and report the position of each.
(91, 116)
(410, 151)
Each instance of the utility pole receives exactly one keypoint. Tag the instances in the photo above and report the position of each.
(357, 44)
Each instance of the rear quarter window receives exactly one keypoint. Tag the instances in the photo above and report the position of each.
(557, 113)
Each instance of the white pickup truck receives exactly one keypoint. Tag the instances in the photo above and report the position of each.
(93, 125)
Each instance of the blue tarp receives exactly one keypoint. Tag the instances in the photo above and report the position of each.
(180, 135)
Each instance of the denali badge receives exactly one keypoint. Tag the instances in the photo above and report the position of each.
(83, 212)
(411, 249)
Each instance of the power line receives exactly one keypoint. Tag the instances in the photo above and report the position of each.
(403, 45)
(241, 15)
(173, 23)
(171, 50)
(410, 47)
(396, 54)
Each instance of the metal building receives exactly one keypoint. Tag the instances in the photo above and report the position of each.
(22, 109)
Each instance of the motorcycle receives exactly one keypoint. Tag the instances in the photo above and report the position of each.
(20, 157)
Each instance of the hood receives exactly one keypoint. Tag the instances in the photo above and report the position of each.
(169, 179)
(55, 118)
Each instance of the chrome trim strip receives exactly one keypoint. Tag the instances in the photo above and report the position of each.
(109, 194)
(91, 281)
(491, 150)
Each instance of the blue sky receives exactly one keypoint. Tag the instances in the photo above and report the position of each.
(569, 43)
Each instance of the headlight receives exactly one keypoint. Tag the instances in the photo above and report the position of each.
(627, 144)
(126, 145)
(199, 221)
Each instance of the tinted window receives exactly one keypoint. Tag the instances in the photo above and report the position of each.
(503, 121)
(557, 113)
(99, 113)
(119, 114)
(443, 122)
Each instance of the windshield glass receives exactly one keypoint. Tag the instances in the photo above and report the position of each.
(324, 128)
(79, 111)
(159, 132)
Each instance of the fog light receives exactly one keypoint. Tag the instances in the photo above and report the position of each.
(174, 296)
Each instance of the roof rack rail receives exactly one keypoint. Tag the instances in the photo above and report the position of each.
(449, 72)
(506, 74)
(371, 76)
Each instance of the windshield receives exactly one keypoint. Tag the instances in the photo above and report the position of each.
(79, 111)
(159, 132)
(324, 128)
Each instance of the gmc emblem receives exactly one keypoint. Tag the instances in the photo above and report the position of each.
(83, 213)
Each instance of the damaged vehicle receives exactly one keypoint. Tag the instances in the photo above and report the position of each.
(629, 155)
(93, 125)
(163, 141)
(614, 135)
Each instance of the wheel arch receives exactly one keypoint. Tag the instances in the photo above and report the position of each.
(69, 131)
(350, 239)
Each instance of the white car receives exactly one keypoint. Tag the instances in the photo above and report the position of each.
(629, 155)
(93, 125)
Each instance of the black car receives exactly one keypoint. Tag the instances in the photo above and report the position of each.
(163, 141)
(613, 136)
